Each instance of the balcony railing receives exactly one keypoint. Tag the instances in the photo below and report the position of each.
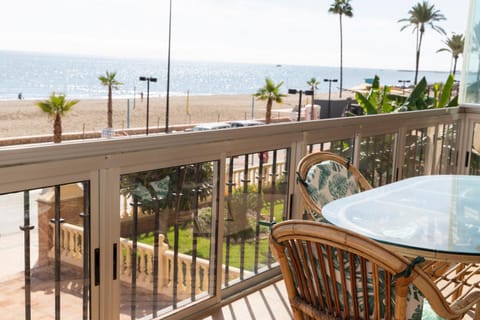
(197, 234)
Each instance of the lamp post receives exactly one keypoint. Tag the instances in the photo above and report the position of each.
(168, 67)
(329, 92)
(300, 92)
(403, 85)
(456, 86)
(148, 79)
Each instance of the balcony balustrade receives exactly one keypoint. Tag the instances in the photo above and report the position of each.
(172, 226)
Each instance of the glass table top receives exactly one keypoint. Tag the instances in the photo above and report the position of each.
(434, 213)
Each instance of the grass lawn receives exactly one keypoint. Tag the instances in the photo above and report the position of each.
(185, 240)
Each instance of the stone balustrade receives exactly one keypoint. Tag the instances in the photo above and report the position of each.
(71, 244)
(71, 250)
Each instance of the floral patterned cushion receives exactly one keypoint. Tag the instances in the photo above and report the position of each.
(328, 181)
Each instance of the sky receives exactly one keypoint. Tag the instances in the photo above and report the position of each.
(299, 32)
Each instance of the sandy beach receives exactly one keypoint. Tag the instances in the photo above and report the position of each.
(23, 118)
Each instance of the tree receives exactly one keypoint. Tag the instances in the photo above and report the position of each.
(56, 106)
(271, 93)
(341, 7)
(109, 81)
(313, 83)
(455, 46)
(421, 15)
(192, 182)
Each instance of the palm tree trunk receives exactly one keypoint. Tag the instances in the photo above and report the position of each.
(110, 111)
(417, 60)
(57, 129)
(268, 113)
(454, 66)
(341, 57)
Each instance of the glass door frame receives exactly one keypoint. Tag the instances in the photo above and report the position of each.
(41, 175)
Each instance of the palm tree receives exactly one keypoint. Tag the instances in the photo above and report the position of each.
(455, 46)
(109, 81)
(271, 93)
(421, 15)
(313, 83)
(341, 7)
(56, 106)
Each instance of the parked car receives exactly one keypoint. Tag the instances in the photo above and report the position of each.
(211, 126)
(245, 123)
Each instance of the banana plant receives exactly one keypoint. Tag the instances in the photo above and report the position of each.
(417, 98)
(378, 100)
(443, 94)
(381, 100)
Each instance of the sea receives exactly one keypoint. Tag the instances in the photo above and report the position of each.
(37, 75)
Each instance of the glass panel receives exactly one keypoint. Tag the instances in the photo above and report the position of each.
(343, 148)
(471, 70)
(447, 149)
(256, 195)
(168, 227)
(376, 158)
(475, 152)
(417, 142)
(42, 236)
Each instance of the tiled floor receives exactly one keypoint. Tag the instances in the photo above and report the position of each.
(12, 297)
(270, 303)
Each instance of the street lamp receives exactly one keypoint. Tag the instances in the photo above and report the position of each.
(168, 67)
(403, 85)
(148, 79)
(300, 92)
(329, 92)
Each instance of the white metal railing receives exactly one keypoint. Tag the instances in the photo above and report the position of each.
(102, 161)
(254, 171)
(237, 179)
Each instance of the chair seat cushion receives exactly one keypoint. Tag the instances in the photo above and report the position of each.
(328, 181)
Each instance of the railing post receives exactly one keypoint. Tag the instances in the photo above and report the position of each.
(162, 262)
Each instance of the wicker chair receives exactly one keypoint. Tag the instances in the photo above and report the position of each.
(332, 273)
(323, 177)
(455, 280)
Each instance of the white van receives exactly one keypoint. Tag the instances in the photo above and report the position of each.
(245, 123)
(211, 126)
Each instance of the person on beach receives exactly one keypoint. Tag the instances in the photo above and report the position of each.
(20, 96)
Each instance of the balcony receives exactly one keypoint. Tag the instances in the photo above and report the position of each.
(175, 226)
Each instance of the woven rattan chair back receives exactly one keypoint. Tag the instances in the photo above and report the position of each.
(323, 177)
(332, 273)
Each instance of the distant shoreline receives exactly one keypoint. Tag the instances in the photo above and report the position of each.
(22, 118)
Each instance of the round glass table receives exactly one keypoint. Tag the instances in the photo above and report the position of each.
(437, 217)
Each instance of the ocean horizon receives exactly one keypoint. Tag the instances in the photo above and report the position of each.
(37, 75)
